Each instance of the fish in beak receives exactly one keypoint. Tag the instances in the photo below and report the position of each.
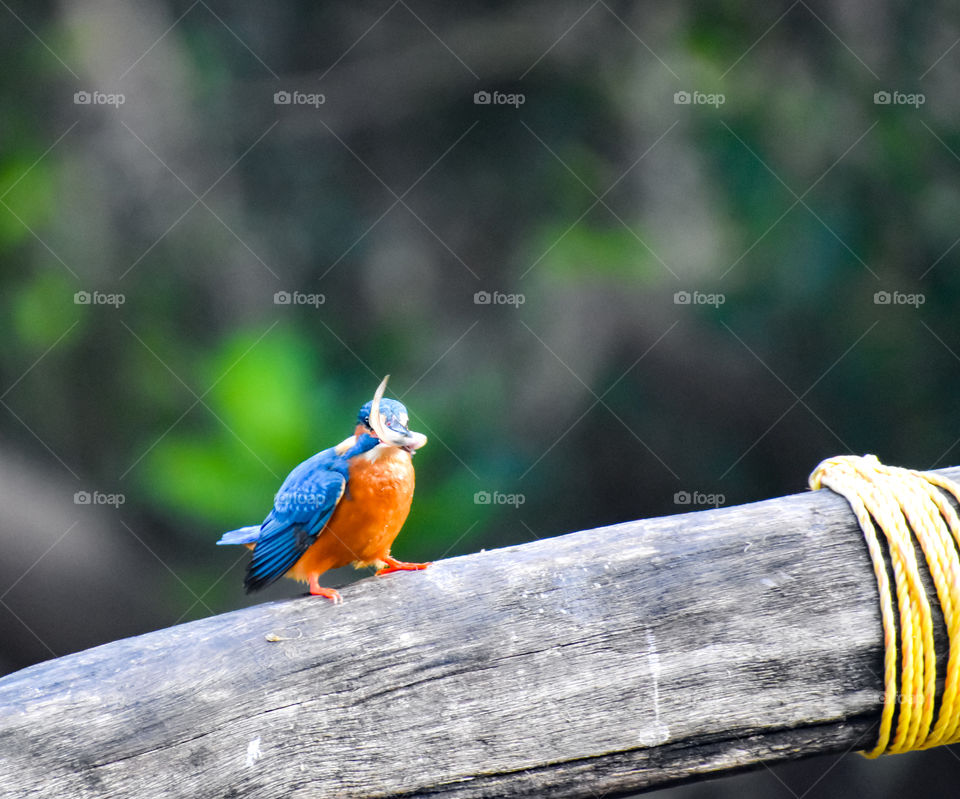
(395, 433)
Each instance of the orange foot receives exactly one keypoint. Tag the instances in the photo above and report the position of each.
(330, 593)
(394, 565)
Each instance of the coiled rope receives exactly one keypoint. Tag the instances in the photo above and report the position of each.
(908, 506)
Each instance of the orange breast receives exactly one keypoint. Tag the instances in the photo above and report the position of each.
(369, 516)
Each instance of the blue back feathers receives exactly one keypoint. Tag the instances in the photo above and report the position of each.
(301, 508)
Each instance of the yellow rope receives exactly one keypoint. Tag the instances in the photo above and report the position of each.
(901, 502)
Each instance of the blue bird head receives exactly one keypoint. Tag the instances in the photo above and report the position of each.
(390, 425)
(391, 410)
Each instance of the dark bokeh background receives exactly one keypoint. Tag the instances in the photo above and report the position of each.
(595, 394)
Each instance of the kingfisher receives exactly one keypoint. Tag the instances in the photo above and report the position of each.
(346, 504)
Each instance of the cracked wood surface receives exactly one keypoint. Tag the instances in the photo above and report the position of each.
(605, 661)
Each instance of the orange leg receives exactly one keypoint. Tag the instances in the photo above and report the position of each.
(330, 593)
(394, 565)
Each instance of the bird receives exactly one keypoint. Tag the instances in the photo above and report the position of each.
(346, 504)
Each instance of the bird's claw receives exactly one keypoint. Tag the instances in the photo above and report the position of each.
(330, 593)
(394, 565)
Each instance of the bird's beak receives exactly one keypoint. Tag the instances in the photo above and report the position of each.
(398, 436)
(414, 441)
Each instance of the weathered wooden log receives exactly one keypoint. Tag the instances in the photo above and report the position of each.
(604, 661)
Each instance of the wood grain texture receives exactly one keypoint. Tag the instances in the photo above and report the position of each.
(609, 660)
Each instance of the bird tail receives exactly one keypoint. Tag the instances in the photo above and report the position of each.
(244, 535)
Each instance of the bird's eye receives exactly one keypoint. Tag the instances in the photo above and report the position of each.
(366, 421)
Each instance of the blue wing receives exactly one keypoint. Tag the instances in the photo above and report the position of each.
(303, 505)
